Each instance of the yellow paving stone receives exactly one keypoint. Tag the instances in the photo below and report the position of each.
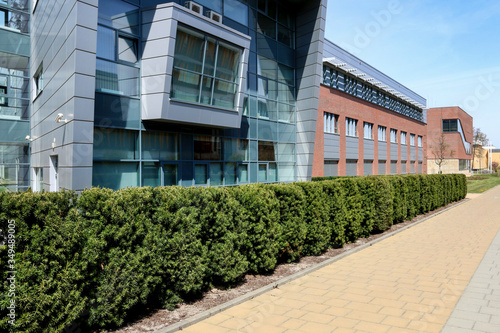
(295, 313)
(412, 315)
(355, 298)
(423, 326)
(337, 311)
(318, 318)
(372, 328)
(343, 322)
(367, 307)
(316, 328)
(219, 318)
(235, 323)
(293, 323)
(396, 321)
(315, 307)
(337, 302)
(388, 310)
(400, 330)
(365, 316)
(263, 328)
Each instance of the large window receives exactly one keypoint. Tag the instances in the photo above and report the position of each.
(368, 131)
(420, 141)
(382, 133)
(394, 138)
(403, 138)
(450, 125)
(412, 139)
(331, 123)
(351, 127)
(205, 69)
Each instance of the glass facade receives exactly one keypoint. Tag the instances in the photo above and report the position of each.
(14, 95)
(129, 152)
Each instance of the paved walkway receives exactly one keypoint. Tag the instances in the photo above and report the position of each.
(418, 280)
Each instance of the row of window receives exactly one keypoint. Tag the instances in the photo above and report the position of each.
(331, 168)
(349, 84)
(330, 122)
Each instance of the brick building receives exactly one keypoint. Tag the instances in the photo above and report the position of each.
(367, 123)
(455, 126)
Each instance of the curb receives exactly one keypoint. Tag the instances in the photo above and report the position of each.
(250, 295)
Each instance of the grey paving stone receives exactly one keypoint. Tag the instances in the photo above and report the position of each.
(486, 327)
(461, 323)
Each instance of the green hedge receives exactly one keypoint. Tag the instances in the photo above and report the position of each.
(98, 259)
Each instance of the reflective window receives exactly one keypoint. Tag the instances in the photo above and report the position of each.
(236, 11)
(200, 174)
(205, 69)
(243, 173)
(106, 43)
(215, 5)
(215, 174)
(267, 151)
(151, 174)
(115, 175)
(116, 78)
(207, 148)
(450, 125)
(119, 15)
(127, 49)
(230, 173)
(115, 144)
(160, 146)
(170, 174)
(235, 150)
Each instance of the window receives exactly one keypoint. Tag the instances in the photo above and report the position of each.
(450, 125)
(351, 127)
(38, 81)
(3, 92)
(394, 138)
(403, 138)
(331, 122)
(412, 139)
(236, 11)
(205, 69)
(382, 133)
(127, 49)
(419, 141)
(368, 131)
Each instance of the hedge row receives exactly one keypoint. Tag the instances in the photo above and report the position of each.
(93, 260)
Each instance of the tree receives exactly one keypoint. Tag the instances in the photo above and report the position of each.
(479, 139)
(440, 151)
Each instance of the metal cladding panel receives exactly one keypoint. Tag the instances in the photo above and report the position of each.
(382, 150)
(381, 168)
(394, 151)
(368, 168)
(351, 168)
(393, 167)
(403, 167)
(413, 153)
(159, 34)
(331, 168)
(420, 154)
(404, 152)
(369, 149)
(332, 146)
(351, 147)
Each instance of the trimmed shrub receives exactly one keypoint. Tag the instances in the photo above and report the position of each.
(317, 212)
(353, 203)
(292, 222)
(261, 214)
(337, 212)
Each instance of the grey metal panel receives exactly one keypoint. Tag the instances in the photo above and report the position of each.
(412, 168)
(420, 154)
(382, 150)
(393, 167)
(394, 151)
(332, 146)
(310, 23)
(381, 167)
(368, 149)
(413, 153)
(331, 168)
(64, 40)
(351, 168)
(420, 167)
(351, 147)
(159, 33)
(404, 152)
(403, 167)
(368, 168)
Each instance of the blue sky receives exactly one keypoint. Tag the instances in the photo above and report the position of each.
(447, 51)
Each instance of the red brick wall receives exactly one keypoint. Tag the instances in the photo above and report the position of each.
(435, 128)
(345, 105)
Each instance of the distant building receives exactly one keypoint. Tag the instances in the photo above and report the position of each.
(456, 127)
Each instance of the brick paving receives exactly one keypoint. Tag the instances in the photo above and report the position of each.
(410, 282)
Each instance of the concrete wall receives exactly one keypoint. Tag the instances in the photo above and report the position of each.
(64, 42)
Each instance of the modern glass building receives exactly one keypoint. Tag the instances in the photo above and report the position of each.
(151, 93)
(14, 94)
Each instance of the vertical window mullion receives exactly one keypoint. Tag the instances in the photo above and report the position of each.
(215, 71)
(203, 71)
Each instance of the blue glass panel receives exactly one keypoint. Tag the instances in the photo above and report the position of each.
(14, 131)
(150, 174)
(230, 173)
(115, 175)
(14, 153)
(286, 172)
(115, 144)
(243, 173)
(236, 11)
(262, 173)
(160, 146)
(272, 172)
(117, 111)
(170, 174)
(215, 174)
(200, 174)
